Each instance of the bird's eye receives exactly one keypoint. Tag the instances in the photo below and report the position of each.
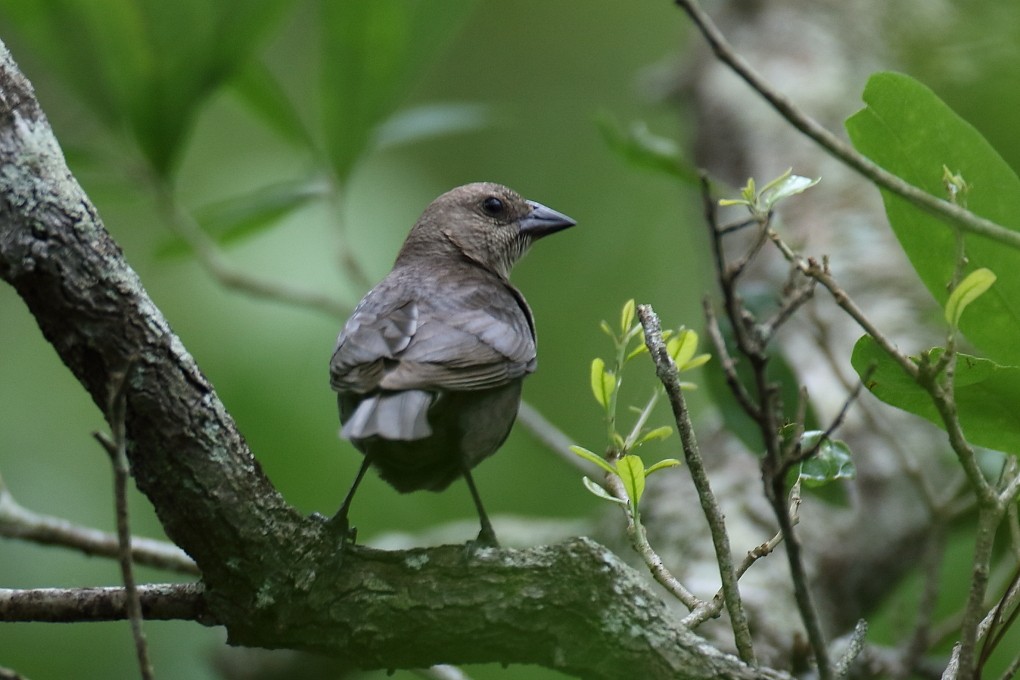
(493, 206)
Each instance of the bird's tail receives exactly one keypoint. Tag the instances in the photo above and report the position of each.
(393, 416)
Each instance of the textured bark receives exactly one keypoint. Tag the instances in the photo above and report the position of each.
(272, 577)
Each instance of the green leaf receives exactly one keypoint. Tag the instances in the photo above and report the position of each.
(783, 187)
(592, 457)
(662, 465)
(259, 89)
(986, 394)
(778, 371)
(642, 347)
(627, 316)
(654, 435)
(697, 361)
(644, 149)
(148, 66)
(682, 346)
(972, 287)
(240, 217)
(831, 462)
(906, 129)
(600, 492)
(431, 121)
(372, 50)
(632, 471)
(603, 382)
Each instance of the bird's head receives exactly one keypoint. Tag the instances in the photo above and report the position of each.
(485, 222)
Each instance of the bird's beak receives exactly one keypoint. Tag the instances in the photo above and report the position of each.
(542, 221)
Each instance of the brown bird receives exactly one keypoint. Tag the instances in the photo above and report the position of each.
(428, 369)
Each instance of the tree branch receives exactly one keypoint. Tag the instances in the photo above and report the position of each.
(942, 209)
(272, 577)
(160, 602)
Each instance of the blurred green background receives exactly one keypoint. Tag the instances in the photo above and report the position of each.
(143, 96)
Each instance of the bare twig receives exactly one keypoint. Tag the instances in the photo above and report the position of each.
(765, 408)
(920, 638)
(667, 372)
(16, 521)
(548, 434)
(652, 560)
(162, 602)
(854, 649)
(229, 276)
(943, 210)
(117, 448)
(711, 609)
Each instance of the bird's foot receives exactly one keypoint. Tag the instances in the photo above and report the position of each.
(486, 539)
(338, 525)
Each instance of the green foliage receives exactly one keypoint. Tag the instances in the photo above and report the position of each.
(909, 131)
(779, 372)
(371, 51)
(642, 148)
(761, 203)
(148, 65)
(971, 288)
(986, 393)
(831, 462)
(682, 346)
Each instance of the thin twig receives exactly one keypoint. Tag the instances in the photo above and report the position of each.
(16, 521)
(117, 448)
(766, 410)
(728, 363)
(943, 210)
(667, 373)
(212, 260)
(854, 649)
(931, 567)
(820, 272)
(652, 560)
(711, 609)
(161, 602)
(551, 436)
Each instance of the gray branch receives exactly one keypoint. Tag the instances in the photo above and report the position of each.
(272, 577)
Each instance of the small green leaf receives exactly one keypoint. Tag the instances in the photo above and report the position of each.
(956, 187)
(972, 287)
(593, 458)
(600, 492)
(831, 462)
(607, 329)
(603, 382)
(662, 465)
(641, 147)
(697, 361)
(632, 472)
(682, 346)
(627, 316)
(653, 435)
(784, 187)
(430, 121)
(636, 351)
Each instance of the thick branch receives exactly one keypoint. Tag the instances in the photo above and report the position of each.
(272, 577)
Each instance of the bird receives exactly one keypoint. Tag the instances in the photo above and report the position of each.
(428, 369)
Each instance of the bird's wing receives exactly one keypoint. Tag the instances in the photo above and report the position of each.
(473, 338)
(466, 337)
(381, 327)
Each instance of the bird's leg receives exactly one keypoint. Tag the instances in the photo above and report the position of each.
(486, 537)
(339, 523)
